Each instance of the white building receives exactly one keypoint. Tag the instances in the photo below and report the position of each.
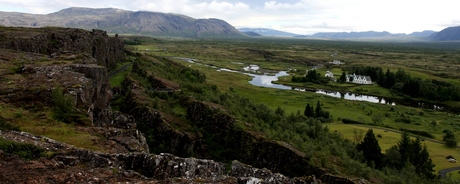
(337, 62)
(330, 75)
(358, 79)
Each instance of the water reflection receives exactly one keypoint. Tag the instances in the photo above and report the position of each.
(266, 79)
(357, 97)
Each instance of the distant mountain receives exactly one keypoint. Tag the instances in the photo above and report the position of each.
(425, 33)
(251, 33)
(384, 35)
(351, 35)
(124, 22)
(448, 34)
(267, 32)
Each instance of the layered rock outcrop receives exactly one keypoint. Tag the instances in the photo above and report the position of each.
(53, 41)
(34, 62)
(74, 165)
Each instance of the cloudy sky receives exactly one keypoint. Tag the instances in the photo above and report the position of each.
(297, 16)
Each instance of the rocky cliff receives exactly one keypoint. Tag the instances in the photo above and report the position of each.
(73, 43)
(34, 62)
(73, 165)
(125, 22)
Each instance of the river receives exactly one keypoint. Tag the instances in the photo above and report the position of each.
(264, 79)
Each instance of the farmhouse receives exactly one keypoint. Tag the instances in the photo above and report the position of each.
(330, 75)
(359, 79)
(337, 62)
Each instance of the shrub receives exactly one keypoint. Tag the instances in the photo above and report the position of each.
(4, 126)
(419, 132)
(349, 121)
(63, 106)
(23, 150)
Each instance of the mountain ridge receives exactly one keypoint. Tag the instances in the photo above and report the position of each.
(447, 34)
(120, 21)
(340, 35)
(267, 32)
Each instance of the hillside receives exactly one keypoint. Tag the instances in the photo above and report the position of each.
(448, 34)
(124, 22)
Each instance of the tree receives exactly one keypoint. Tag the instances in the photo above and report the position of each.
(450, 139)
(63, 106)
(279, 111)
(389, 79)
(412, 154)
(312, 76)
(343, 77)
(371, 150)
(425, 168)
(381, 80)
(309, 112)
(377, 119)
(404, 148)
(318, 109)
(392, 158)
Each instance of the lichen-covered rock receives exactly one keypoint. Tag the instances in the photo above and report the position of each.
(249, 174)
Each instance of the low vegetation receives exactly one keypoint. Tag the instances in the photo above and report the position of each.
(23, 150)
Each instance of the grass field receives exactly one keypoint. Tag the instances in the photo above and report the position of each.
(293, 101)
(438, 152)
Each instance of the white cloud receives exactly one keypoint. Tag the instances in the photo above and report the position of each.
(299, 16)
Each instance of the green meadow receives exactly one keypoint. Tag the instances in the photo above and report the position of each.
(438, 61)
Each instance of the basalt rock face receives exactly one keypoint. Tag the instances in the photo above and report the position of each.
(74, 59)
(148, 119)
(51, 41)
(248, 147)
(74, 165)
(34, 62)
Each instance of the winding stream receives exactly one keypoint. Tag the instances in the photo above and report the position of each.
(265, 80)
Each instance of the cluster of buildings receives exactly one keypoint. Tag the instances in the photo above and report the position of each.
(353, 78)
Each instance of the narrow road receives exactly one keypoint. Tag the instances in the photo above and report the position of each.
(124, 67)
(442, 173)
